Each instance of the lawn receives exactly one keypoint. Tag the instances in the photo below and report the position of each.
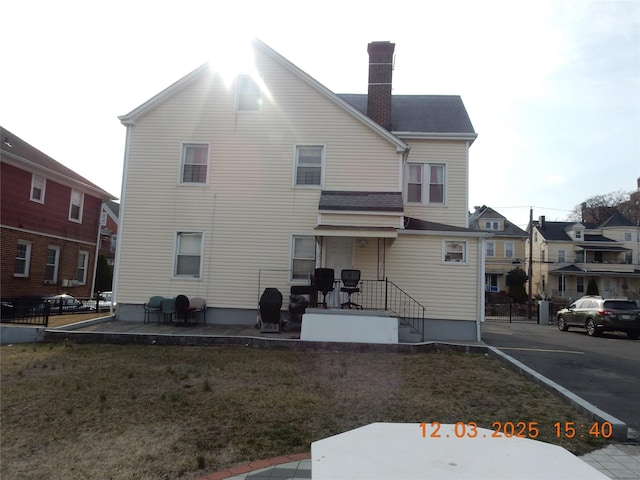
(153, 412)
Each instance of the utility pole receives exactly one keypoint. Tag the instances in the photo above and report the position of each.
(530, 272)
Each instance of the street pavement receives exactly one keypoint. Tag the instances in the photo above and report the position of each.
(604, 371)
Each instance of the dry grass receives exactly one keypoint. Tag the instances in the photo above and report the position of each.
(148, 412)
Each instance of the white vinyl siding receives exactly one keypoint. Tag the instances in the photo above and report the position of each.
(23, 259)
(38, 186)
(195, 161)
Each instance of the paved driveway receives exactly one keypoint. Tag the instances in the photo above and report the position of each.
(605, 371)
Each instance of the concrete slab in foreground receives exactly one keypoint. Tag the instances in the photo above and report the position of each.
(400, 451)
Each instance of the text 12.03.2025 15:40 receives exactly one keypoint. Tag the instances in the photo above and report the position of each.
(516, 429)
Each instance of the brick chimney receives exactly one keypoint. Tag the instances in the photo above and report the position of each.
(380, 73)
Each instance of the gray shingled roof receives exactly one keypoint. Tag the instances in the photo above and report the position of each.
(617, 220)
(421, 113)
(486, 213)
(417, 224)
(361, 201)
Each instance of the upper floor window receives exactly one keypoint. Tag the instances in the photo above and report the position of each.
(303, 257)
(627, 236)
(195, 160)
(455, 251)
(309, 162)
(75, 206)
(249, 96)
(509, 249)
(578, 234)
(491, 225)
(188, 254)
(490, 248)
(426, 183)
(38, 184)
(23, 259)
(562, 256)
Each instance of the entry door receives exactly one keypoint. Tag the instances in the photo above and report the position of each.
(338, 255)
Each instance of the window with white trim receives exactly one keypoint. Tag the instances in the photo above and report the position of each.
(627, 236)
(309, 162)
(75, 206)
(195, 162)
(491, 225)
(490, 248)
(38, 185)
(188, 262)
(426, 183)
(249, 95)
(51, 268)
(81, 269)
(578, 234)
(23, 259)
(455, 252)
(509, 250)
(562, 256)
(303, 256)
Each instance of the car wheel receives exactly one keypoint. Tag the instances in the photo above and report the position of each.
(592, 331)
(633, 335)
(562, 326)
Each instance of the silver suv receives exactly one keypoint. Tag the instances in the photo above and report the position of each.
(598, 314)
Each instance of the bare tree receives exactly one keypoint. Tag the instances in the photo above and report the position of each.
(598, 208)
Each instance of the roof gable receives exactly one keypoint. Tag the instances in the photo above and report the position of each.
(617, 220)
(259, 46)
(28, 157)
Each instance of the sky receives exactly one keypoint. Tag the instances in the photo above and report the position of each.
(552, 87)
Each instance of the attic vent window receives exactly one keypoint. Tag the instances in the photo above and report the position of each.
(249, 97)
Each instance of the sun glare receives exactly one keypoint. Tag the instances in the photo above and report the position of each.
(235, 56)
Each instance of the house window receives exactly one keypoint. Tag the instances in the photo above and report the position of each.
(455, 252)
(491, 225)
(490, 250)
(249, 97)
(195, 159)
(81, 269)
(627, 236)
(309, 164)
(103, 218)
(188, 254)
(578, 234)
(419, 175)
(628, 257)
(51, 268)
(23, 259)
(562, 256)
(580, 256)
(75, 206)
(580, 284)
(509, 249)
(303, 257)
(542, 255)
(492, 282)
(38, 184)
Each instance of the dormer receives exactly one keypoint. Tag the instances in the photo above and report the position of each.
(576, 231)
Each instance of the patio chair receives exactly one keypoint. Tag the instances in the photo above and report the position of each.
(184, 308)
(153, 305)
(270, 305)
(168, 309)
(350, 279)
(199, 306)
(323, 279)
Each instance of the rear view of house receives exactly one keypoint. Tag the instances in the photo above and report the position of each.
(235, 185)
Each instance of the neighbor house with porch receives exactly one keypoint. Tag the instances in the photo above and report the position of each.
(567, 255)
(234, 185)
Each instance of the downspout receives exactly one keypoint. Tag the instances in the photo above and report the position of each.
(95, 257)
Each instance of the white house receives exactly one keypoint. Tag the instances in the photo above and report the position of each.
(232, 185)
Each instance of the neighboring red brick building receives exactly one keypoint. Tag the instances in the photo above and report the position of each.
(49, 223)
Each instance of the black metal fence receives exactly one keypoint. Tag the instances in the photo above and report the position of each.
(26, 312)
(512, 313)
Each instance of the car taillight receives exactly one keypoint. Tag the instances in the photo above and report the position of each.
(602, 312)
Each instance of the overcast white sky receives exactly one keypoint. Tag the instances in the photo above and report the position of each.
(552, 86)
